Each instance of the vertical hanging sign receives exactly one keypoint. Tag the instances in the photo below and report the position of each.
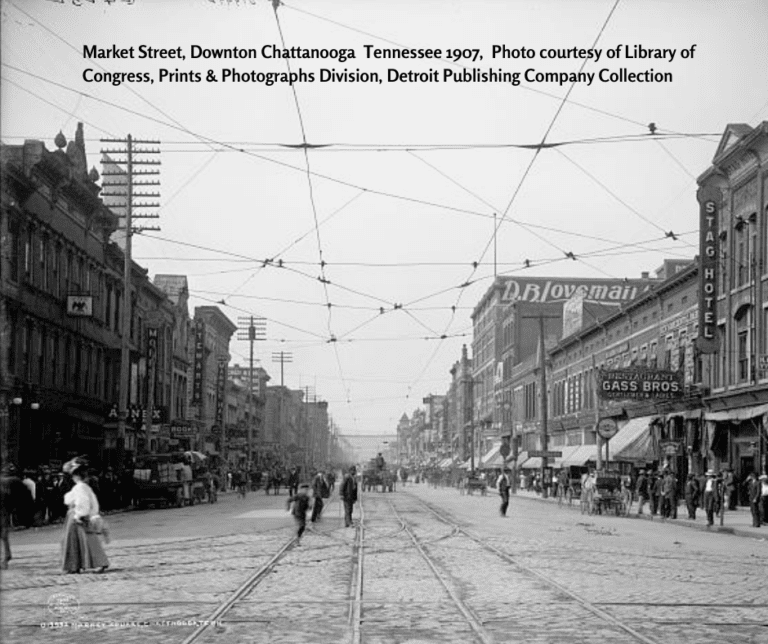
(199, 363)
(221, 391)
(709, 267)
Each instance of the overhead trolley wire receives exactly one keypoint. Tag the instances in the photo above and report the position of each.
(445, 207)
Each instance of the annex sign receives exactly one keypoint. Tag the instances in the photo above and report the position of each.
(639, 384)
(543, 289)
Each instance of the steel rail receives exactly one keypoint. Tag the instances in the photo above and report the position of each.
(585, 603)
(248, 585)
(356, 606)
(476, 626)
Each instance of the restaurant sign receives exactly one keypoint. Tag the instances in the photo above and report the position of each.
(639, 384)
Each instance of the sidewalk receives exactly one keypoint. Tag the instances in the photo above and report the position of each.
(736, 522)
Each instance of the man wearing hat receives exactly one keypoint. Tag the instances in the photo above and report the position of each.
(503, 483)
(641, 489)
(301, 503)
(712, 494)
(764, 497)
(691, 495)
(349, 494)
(753, 496)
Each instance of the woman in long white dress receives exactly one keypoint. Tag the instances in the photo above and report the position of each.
(81, 545)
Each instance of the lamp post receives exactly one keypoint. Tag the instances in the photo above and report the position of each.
(22, 429)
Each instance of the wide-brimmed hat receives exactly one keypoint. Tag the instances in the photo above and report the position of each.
(711, 473)
(763, 477)
(74, 465)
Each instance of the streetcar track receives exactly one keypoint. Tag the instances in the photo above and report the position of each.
(469, 616)
(247, 586)
(585, 603)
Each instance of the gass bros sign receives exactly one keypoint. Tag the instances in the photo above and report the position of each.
(542, 289)
(639, 384)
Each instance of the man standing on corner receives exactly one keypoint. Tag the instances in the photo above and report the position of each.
(753, 494)
(349, 494)
(502, 485)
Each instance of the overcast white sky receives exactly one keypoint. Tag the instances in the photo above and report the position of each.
(406, 191)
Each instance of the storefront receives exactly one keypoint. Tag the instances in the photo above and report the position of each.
(736, 439)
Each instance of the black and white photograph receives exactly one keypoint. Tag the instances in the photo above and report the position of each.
(384, 322)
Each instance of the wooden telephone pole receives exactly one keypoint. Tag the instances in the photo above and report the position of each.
(118, 189)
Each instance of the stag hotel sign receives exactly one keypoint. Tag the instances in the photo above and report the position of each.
(709, 257)
(543, 289)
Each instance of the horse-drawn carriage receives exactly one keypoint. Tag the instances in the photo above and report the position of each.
(604, 495)
(377, 475)
(474, 483)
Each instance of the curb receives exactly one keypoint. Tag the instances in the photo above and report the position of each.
(685, 523)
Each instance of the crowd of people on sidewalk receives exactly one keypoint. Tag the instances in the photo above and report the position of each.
(67, 496)
(657, 489)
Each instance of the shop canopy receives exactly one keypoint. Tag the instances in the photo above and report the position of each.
(522, 457)
(633, 443)
(493, 458)
(445, 463)
(580, 456)
(533, 463)
(567, 451)
(737, 415)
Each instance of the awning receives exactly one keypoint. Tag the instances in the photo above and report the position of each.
(567, 451)
(445, 463)
(580, 456)
(533, 463)
(522, 457)
(491, 453)
(628, 433)
(743, 413)
(633, 443)
(686, 415)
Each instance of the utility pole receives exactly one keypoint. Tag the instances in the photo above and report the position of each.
(251, 329)
(598, 438)
(282, 357)
(543, 396)
(123, 200)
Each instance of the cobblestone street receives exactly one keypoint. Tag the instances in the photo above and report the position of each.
(464, 574)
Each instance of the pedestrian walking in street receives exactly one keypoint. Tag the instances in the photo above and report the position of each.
(293, 481)
(301, 503)
(349, 494)
(753, 496)
(84, 527)
(320, 490)
(641, 490)
(691, 495)
(503, 484)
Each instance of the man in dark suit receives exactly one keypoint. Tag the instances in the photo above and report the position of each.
(753, 495)
(349, 494)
